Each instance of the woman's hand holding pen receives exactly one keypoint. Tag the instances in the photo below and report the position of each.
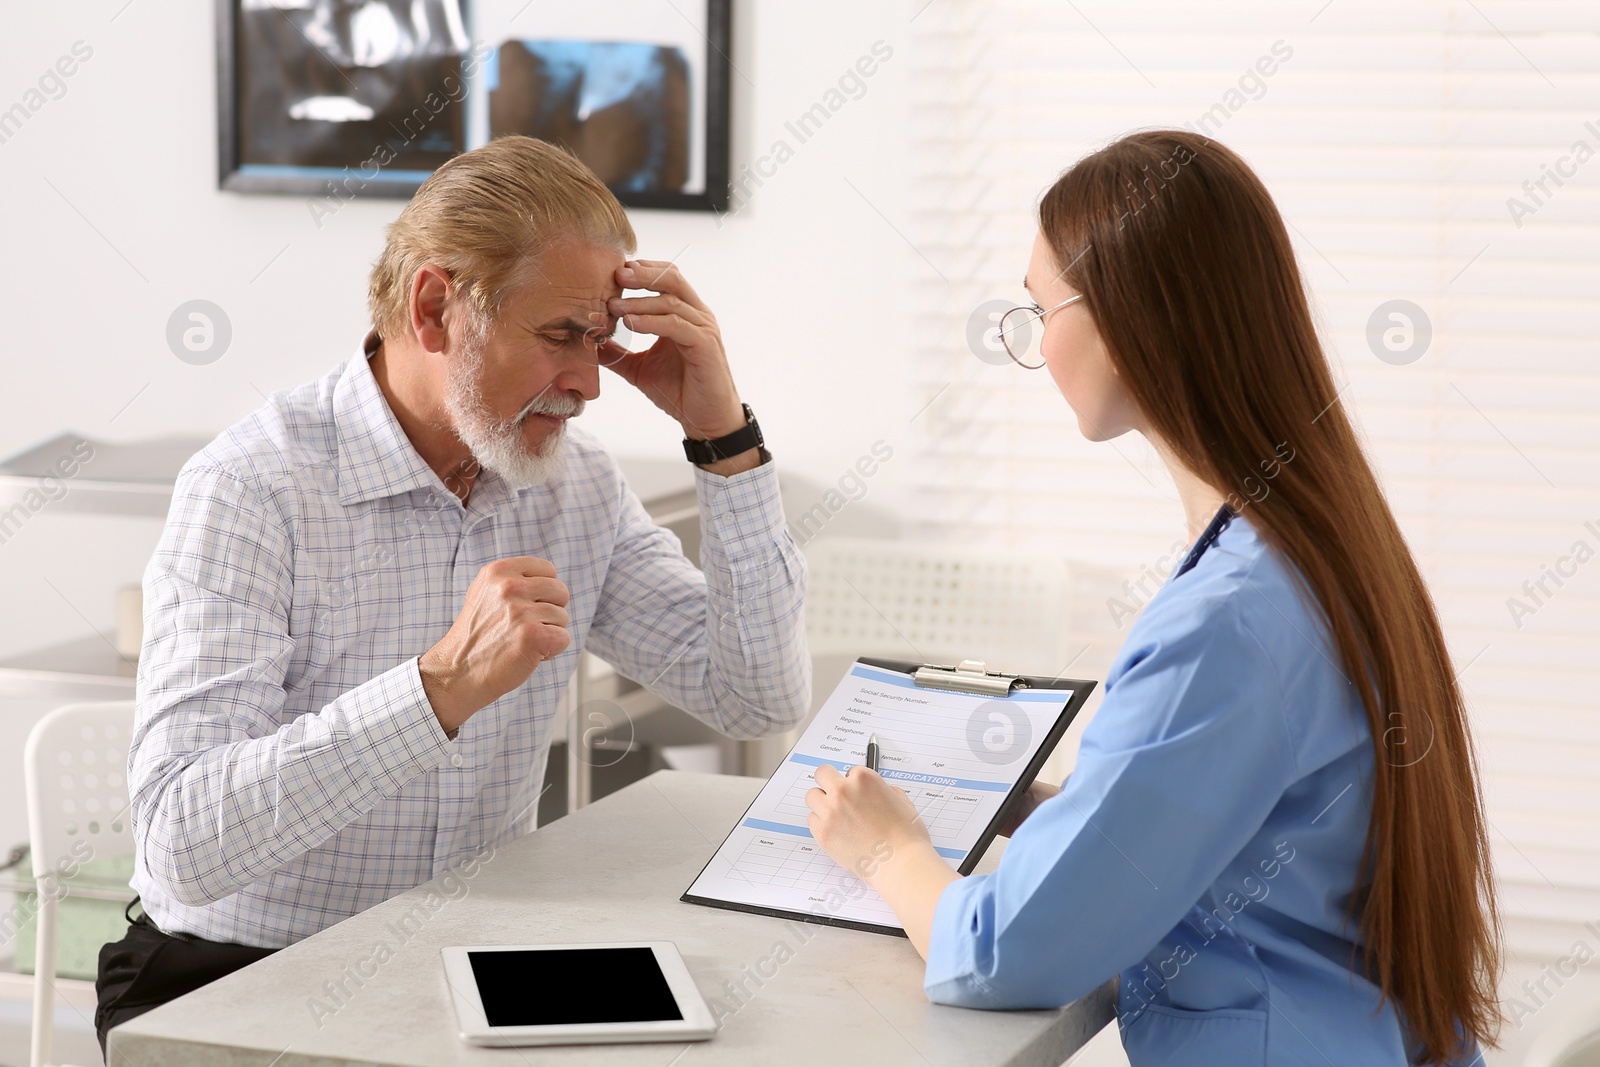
(872, 829)
(861, 820)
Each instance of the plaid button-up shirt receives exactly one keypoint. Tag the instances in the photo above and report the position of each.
(287, 770)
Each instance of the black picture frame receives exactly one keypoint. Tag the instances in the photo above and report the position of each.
(234, 176)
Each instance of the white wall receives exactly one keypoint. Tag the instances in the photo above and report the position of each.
(112, 218)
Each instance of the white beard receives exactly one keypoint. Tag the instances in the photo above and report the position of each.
(498, 445)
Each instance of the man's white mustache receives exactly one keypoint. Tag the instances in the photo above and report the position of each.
(561, 405)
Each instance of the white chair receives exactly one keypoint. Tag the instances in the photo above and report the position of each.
(936, 602)
(75, 771)
(1570, 1037)
(939, 603)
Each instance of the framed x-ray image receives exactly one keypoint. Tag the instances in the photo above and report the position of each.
(334, 99)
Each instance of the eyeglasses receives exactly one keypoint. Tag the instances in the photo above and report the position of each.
(595, 339)
(1023, 343)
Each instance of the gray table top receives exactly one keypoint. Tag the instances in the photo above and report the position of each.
(610, 872)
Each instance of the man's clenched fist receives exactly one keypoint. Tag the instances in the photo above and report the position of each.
(515, 617)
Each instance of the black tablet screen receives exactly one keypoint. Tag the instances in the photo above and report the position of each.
(557, 987)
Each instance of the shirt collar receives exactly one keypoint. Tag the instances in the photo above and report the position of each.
(376, 459)
(1219, 522)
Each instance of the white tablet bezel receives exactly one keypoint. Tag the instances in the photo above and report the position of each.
(697, 1023)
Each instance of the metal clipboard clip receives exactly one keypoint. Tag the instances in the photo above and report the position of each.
(968, 676)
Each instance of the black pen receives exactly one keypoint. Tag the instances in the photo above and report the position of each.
(872, 753)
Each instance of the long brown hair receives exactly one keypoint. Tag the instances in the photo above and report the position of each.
(1186, 266)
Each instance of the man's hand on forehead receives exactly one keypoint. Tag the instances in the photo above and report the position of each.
(685, 372)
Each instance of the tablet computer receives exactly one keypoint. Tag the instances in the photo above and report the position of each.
(575, 994)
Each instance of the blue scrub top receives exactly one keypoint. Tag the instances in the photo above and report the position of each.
(1206, 845)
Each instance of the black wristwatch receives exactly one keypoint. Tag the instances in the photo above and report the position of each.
(741, 440)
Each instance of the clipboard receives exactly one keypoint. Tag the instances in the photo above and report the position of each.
(915, 702)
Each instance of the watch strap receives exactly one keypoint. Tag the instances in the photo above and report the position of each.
(741, 440)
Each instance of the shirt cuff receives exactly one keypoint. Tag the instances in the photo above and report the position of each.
(746, 509)
(393, 726)
(954, 942)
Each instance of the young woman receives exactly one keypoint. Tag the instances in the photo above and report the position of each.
(1274, 830)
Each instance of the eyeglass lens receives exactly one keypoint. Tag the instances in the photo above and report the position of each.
(1021, 333)
(621, 343)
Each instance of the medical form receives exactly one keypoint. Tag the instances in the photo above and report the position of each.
(960, 757)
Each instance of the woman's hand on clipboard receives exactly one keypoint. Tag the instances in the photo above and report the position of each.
(871, 829)
(861, 820)
(1036, 794)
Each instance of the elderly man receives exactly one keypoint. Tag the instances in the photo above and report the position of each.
(370, 594)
